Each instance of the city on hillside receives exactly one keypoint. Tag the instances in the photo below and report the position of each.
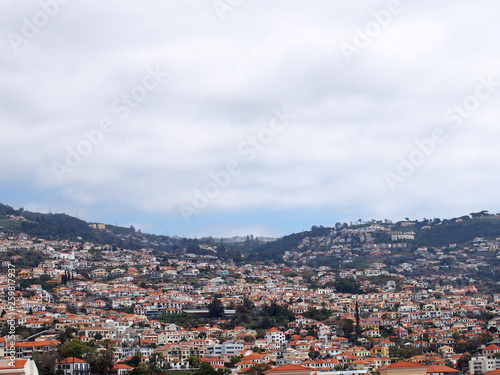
(364, 298)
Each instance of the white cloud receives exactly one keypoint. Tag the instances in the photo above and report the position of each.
(225, 78)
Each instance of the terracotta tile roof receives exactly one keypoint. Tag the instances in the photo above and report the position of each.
(287, 367)
(491, 347)
(402, 364)
(122, 366)
(18, 363)
(440, 368)
(25, 344)
(72, 360)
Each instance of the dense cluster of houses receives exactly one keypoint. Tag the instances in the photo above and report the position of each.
(119, 295)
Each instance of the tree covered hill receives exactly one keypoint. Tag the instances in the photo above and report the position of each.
(275, 250)
(6, 210)
(432, 233)
(459, 232)
(57, 226)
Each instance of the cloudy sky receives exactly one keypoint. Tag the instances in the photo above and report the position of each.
(259, 117)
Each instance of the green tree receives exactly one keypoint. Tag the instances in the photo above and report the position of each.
(257, 369)
(348, 286)
(155, 363)
(66, 334)
(346, 326)
(141, 369)
(486, 337)
(205, 369)
(102, 363)
(248, 304)
(313, 354)
(463, 363)
(358, 327)
(74, 348)
(394, 351)
(135, 360)
(45, 362)
(215, 308)
(408, 351)
(234, 360)
(471, 345)
(193, 361)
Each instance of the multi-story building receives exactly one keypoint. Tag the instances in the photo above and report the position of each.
(228, 347)
(276, 336)
(482, 364)
(73, 366)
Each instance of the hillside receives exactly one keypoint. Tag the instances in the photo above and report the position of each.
(460, 232)
(62, 226)
(434, 233)
(358, 237)
(53, 226)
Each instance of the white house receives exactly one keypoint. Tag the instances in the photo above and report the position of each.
(73, 366)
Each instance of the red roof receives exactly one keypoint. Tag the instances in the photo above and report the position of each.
(24, 344)
(440, 368)
(72, 360)
(273, 329)
(253, 356)
(122, 366)
(402, 364)
(18, 363)
(491, 347)
(287, 367)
